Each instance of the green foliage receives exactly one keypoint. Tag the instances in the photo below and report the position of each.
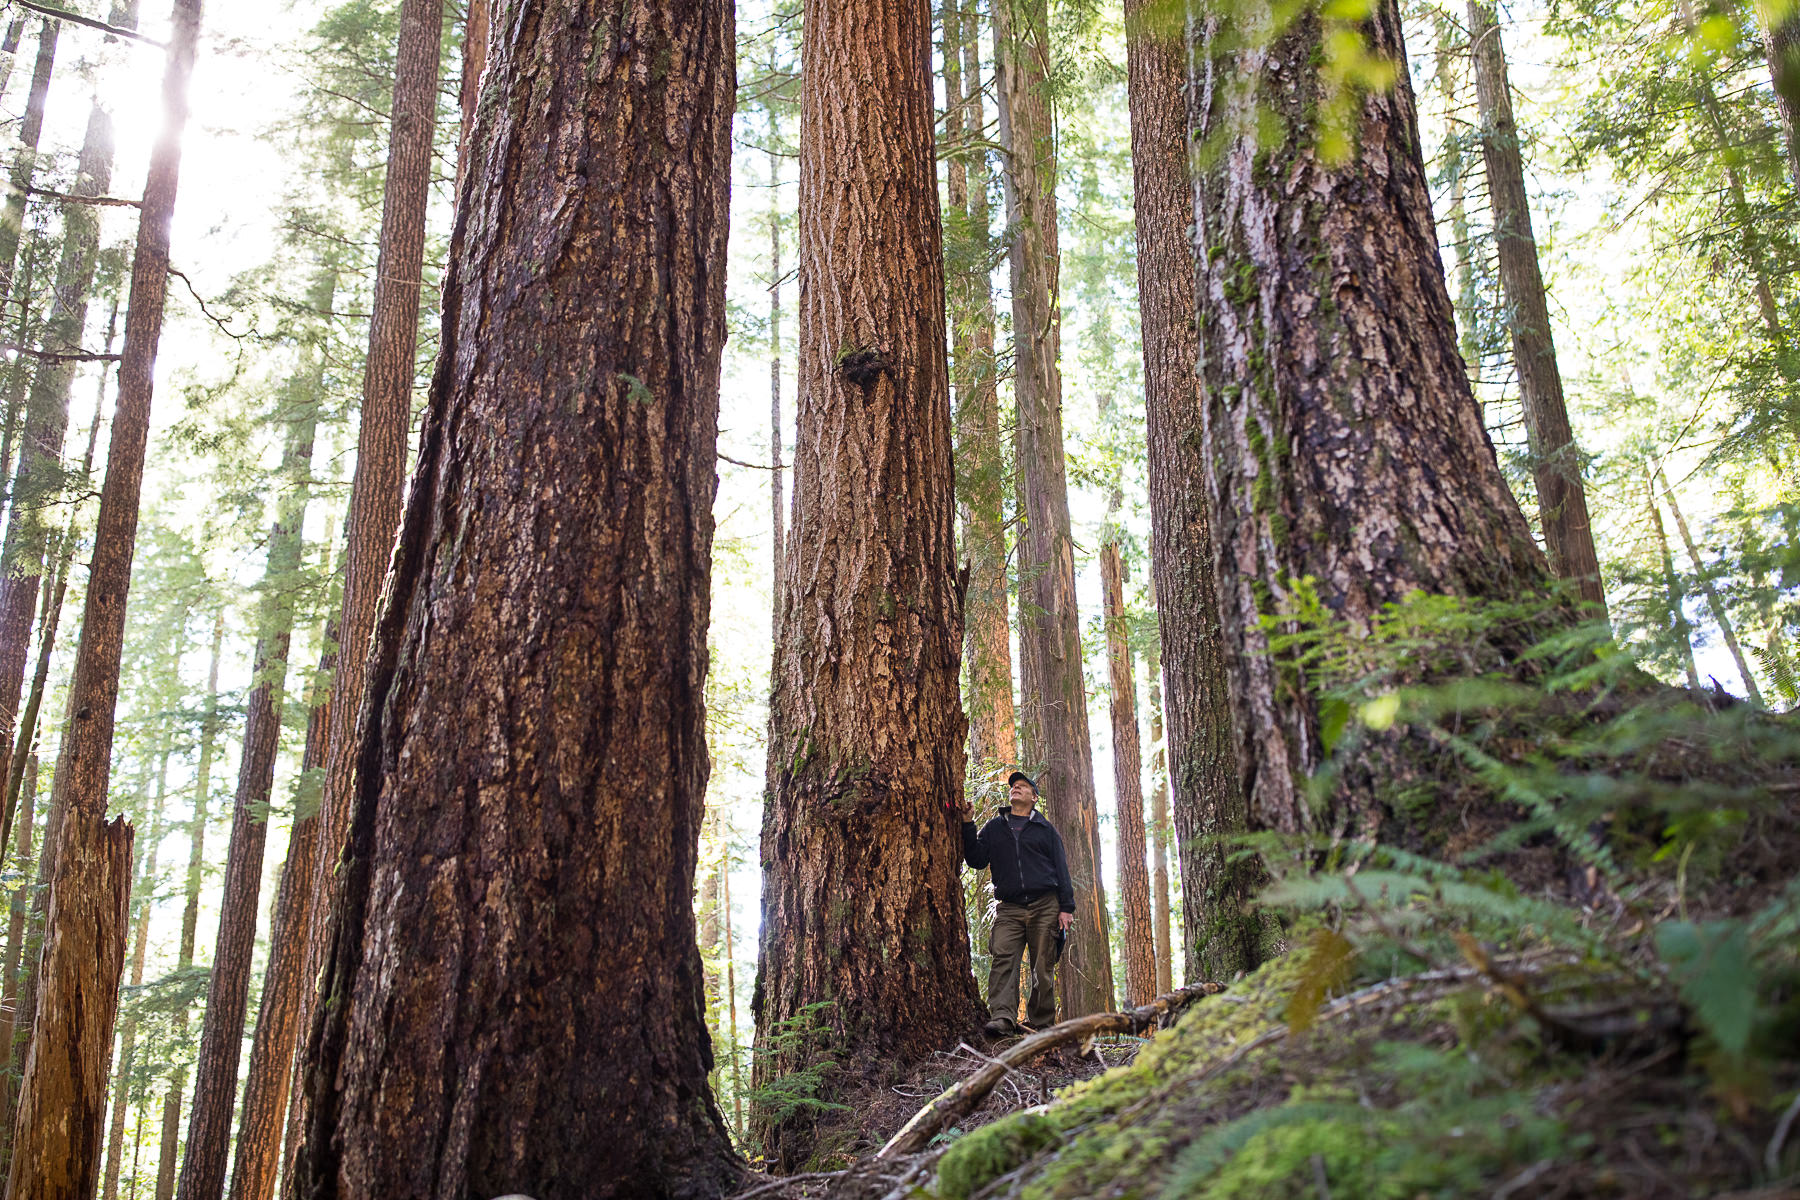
(799, 1048)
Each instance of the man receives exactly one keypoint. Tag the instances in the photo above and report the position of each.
(1037, 902)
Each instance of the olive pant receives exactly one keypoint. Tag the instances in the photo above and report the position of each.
(1016, 927)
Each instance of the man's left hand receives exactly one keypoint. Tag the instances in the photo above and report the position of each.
(1068, 919)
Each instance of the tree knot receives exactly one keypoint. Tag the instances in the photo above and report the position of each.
(863, 367)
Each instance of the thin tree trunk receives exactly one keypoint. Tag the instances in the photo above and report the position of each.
(376, 489)
(22, 935)
(9, 50)
(737, 1064)
(228, 988)
(169, 1146)
(1556, 460)
(1781, 41)
(516, 988)
(31, 128)
(474, 60)
(1134, 875)
(1053, 697)
(866, 726)
(1676, 601)
(146, 894)
(269, 1081)
(981, 465)
(1219, 937)
(56, 1140)
(1727, 632)
(39, 485)
(1342, 442)
(777, 501)
(51, 617)
(18, 374)
(1159, 829)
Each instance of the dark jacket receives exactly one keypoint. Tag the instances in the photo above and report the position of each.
(1026, 866)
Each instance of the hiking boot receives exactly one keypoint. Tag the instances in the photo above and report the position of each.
(998, 1027)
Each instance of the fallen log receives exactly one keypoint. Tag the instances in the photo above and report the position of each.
(963, 1098)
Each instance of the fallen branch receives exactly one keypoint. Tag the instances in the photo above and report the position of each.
(973, 1089)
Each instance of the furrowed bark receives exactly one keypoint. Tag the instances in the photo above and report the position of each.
(1342, 441)
(1556, 460)
(228, 988)
(380, 478)
(1208, 800)
(1053, 694)
(56, 1138)
(862, 906)
(514, 993)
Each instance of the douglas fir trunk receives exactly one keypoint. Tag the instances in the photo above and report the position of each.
(1202, 767)
(861, 902)
(1342, 441)
(513, 993)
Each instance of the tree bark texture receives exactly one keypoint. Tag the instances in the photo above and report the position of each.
(377, 486)
(1159, 834)
(1342, 441)
(1781, 41)
(1134, 874)
(513, 999)
(228, 987)
(468, 88)
(1053, 694)
(31, 128)
(169, 1145)
(1555, 458)
(777, 500)
(982, 478)
(62, 1097)
(268, 1081)
(38, 488)
(1219, 939)
(56, 1138)
(862, 904)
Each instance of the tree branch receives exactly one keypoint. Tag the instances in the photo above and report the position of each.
(54, 356)
(61, 14)
(101, 201)
(973, 1089)
(205, 311)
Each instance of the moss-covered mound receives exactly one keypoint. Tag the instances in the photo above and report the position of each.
(1439, 1088)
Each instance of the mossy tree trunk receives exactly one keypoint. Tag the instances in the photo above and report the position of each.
(861, 900)
(1342, 441)
(1053, 717)
(1208, 799)
(513, 995)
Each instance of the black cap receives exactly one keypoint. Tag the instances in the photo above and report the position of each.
(1018, 775)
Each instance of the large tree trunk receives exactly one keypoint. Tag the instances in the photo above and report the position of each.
(228, 988)
(1219, 938)
(268, 1082)
(515, 989)
(1342, 442)
(981, 476)
(169, 1146)
(862, 906)
(1134, 873)
(1555, 458)
(56, 1138)
(31, 128)
(1053, 694)
(39, 486)
(377, 487)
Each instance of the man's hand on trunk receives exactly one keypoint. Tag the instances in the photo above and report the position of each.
(1067, 919)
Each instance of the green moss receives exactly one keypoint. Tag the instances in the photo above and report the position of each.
(991, 1152)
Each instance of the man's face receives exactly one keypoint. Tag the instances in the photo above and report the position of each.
(1021, 793)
